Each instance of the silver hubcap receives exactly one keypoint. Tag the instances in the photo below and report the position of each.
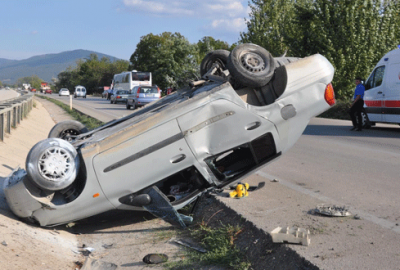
(55, 164)
(253, 62)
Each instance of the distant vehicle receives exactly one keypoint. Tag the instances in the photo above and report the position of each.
(63, 92)
(48, 91)
(80, 91)
(26, 86)
(129, 79)
(382, 91)
(119, 96)
(142, 95)
(33, 90)
(44, 86)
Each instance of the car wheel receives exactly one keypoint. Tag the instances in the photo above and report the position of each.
(67, 130)
(52, 164)
(251, 65)
(218, 56)
(365, 121)
(128, 107)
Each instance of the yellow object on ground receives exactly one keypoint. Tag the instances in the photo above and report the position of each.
(240, 191)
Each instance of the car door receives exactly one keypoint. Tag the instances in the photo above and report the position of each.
(374, 95)
(142, 161)
(392, 94)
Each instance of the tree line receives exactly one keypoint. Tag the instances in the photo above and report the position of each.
(352, 34)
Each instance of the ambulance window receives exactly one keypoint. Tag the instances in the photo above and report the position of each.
(376, 78)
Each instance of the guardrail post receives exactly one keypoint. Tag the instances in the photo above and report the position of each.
(19, 118)
(14, 116)
(8, 128)
(2, 127)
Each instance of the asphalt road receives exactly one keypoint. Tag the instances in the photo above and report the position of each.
(330, 165)
(96, 107)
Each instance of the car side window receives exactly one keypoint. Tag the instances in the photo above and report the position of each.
(376, 78)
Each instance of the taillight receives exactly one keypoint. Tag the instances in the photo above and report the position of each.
(118, 96)
(138, 91)
(330, 95)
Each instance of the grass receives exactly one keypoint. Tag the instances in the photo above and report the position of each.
(220, 245)
(89, 122)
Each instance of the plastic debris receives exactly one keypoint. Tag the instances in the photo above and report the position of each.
(155, 258)
(333, 211)
(4, 243)
(189, 245)
(291, 235)
(241, 190)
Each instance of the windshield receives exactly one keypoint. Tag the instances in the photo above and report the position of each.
(141, 76)
(122, 92)
(148, 90)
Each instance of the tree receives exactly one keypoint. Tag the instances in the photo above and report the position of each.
(208, 44)
(93, 73)
(33, 80)
(352, 34)
(170, 57)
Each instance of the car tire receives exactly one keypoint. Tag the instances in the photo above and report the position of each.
(365, 120)
(217, 56)
(128, 107)
(66, 130)
(52, 164)
(251, 65)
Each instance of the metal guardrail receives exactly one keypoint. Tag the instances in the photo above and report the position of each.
(13, 111)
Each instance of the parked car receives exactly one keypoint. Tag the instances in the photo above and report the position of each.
(33, 90)
(119, 96)
(246, 111)
(63, 92)
(142, 95)
(80, 91)
(48, 91)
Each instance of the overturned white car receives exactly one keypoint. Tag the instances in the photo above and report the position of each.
(246, 111)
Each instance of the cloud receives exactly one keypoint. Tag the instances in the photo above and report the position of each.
(222, 15)
(230, 25)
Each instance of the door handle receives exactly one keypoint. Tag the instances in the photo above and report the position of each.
(253, 125)
(177, 159)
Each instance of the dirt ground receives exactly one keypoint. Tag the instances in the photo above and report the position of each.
(23, 246)
(118, 238)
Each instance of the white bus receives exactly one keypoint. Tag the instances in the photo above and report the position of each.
(129, 79)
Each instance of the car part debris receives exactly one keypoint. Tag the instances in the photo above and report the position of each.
(162, 208)
(4, 243)
(333, 211)
(292, 235)
(92, 264)
(189, 245)
(155, 258)
(240, 191)
(107, 246)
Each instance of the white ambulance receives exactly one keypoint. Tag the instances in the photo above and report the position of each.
(382, 90)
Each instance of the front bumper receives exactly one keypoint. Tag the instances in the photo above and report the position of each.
(20, 200)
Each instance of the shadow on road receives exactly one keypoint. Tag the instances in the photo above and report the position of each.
(332, 130)
(111, 219)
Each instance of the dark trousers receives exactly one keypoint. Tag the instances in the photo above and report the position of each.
(355, 110)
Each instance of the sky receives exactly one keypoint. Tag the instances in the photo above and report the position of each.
(114, 27)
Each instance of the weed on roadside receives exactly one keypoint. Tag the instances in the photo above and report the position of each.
(220, 245)
(89, 122)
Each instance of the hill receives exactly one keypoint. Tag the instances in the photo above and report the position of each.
(45, 66)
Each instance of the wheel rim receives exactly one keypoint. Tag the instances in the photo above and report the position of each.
(69, 134)
(253, 62)
(363, 119)
(55, 164)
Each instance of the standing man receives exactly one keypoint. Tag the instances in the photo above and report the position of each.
(357, 105)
